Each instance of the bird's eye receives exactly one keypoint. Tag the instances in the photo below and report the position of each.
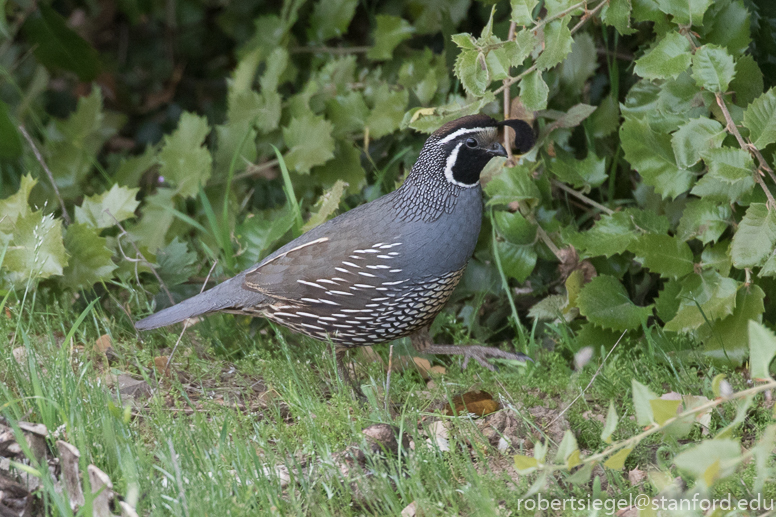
(471, 143)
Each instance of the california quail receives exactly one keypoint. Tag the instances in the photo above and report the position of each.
(383, 270)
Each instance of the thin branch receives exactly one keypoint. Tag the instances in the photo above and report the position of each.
(35, 150)
(255, 171)
(579, 195)
(548, 242)
(330, 50)
(508, 109)
(762, 164)
(141, 257)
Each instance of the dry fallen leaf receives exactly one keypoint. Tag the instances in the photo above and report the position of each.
(439, 434)
(477, 402)
(410, 510)
(636, 476)
(160, 365)
(103, 343)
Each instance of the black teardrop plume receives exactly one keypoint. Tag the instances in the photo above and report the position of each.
(524, 134)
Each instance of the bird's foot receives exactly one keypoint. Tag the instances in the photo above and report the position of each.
(423, 344)
(344, 372)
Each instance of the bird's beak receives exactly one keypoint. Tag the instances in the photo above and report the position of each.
(498, 150)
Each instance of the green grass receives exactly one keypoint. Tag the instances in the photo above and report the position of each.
(246, 397)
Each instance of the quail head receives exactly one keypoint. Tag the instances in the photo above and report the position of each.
(383, 270)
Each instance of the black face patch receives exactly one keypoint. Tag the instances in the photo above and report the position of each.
(467, 164)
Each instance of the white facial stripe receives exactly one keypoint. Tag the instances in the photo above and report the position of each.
(460, 132)
(449, 168)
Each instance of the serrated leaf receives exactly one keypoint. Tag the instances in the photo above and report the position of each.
(703, 219)
(522, 47)
(642, 396)
(534, 91)
(345, 166)
(769, 267)
(309, 142)
(583, 174)
(390, 31)
(651, 154)
(513, 184)
(522, 11)
(695, 137)
(663, 410)
(330, 19)
(557, 44)
(667, 302)
(670, 257)
(259, 232)
(176, 263)
(705, 296)
(58, 47)
(581, 64)
(388, 111)
(16, 205)
(605, 302)
(748, 82)
(36, 249)
(326, 206)
(574, 116)
(648, 220)
(472, 70)
(464, 41)
(498, 62)
(762, 349)
(606, 119)
(755, 238)
(90, 259)
(713, 68)
(669, 58)
(717, 257)
(184, 159)
(698, 459)
(610, 235)
(727, 340)
(517, 260)
(514, 227)
(611, 423)
(685, 12)
(104, 210)
(548, 308)
(760, 119)
(617, 14)
(730, 175)
(617, 460)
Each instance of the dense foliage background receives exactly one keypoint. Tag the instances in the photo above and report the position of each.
(149, 147)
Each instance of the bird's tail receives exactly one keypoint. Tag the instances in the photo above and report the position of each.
(227, 295)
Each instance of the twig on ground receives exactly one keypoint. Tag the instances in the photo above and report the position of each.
(50, 175)
(186, 322)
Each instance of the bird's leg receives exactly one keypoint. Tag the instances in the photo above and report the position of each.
(344, 371)
(421, 341)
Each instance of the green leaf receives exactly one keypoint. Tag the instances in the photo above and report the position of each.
(611, 235)
(348, 113)
(606, 119)
(517, 260)
(605, 303)
(513, 184)
(611, 423)
(390, 31)
(522, 47)
(10, 140)
(471, 68)
(769, 267)
(695, 137)
(703, 219)
(103, 210)
(713, 68)
(330, 19)
(345, 166)
(717, 257)
(514, 227)
(185, 161)
(642, 396)
(762, 349)
(388, 111)
(685, 12)
(583, 174)
(667, 302)
(176, 263)
(522, 11)
(669, 58)
(727, 340)
(663, 410)
(557, 44)
(704, 297)
(58, 47)
(525, 464)
(90, 259)
(760, 119)
(309, 142)
(700, 458)
(549, 308)
(748, 82)
(617, 14)
(755, 238)
(581, 64)
(568, 445)
(670, 257)
(727, 25)
(498, 62)
(326, 206)
(16, 205)
(259, 232)
(36, 249)
(651, 154)
(132, 168)
(730, 175)
(617, 460)
(534, 91)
